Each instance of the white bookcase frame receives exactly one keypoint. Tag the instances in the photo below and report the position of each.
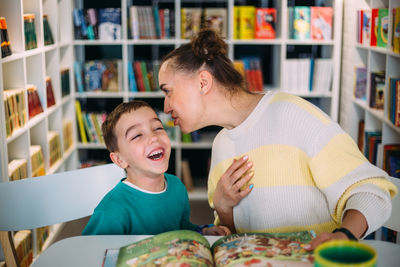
(375, 59)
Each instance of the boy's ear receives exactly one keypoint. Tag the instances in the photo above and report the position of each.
(117, 159)
(206, 81)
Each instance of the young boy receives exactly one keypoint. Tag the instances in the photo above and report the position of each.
(148, 201)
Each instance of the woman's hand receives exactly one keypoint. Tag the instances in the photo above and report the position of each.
(216, 230)
(231, 188)
(324, 237)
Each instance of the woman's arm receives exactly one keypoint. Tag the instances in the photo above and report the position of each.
(231, 188)
(353, 220)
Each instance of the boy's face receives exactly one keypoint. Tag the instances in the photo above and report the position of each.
(143, 145)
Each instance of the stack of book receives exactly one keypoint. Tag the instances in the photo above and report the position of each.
(97, 24)
(252, 22)
(151, 22)
(143, 76)
(48, 35)
(30, 31)
(250, 68)
(15, 111)
(67, 134)
(51, 100)
(53, 139)
(34, 103)
(313, 22)
(24, 247)
(5, 41)
(17, 169)
(42, 234)
(37, 160)
(305, 75)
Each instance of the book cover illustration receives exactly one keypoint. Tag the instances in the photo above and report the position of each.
(190, 22)
(110, 24)
(321, 23)
(190, 248)
(265, 23)
(374, 26)
(366, 27)
(171, 248)
(360, 87)
(247, 18)
(263, 249)
(383, 27)
(215, 18)
(391, 159)
(301, 23)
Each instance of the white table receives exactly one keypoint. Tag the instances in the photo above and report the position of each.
(87, 251)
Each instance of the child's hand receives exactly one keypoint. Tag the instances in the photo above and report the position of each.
(216, 230)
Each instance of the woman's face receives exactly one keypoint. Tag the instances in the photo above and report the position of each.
(182, 98)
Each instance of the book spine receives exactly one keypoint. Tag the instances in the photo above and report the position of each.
(80, 121)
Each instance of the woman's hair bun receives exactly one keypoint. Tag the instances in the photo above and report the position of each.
(207, 45)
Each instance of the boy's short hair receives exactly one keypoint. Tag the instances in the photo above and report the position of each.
(108, 125)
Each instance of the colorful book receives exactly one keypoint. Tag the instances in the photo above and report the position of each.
(377, 89)
(190, 22)
(301, 23)
(5, 41)
(131, 78)
(247, 18)
(396, 30)
(51, 100)
(216, 19)
(265, 24)
(110, 24)
(146, 81)
(391, 159)
(366, 27)
(360, 83)
(189, 248)
(47, 33)
(383, 27)
(65, 85)
(321, 23)
(79, 77)
(81, 126)
(374, 26)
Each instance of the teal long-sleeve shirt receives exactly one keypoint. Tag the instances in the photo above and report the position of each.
(128, 211)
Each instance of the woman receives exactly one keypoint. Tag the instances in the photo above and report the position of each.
(306, 171)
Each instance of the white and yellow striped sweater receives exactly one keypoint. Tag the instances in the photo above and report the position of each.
(307, 170)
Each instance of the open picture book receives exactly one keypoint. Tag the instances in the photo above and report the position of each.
(186, 248)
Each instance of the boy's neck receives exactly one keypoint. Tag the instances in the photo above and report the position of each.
(154, 184)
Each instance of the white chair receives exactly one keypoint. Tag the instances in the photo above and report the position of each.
(51, 199)
(394, 221)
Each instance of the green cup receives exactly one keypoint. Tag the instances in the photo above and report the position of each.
(339, 253)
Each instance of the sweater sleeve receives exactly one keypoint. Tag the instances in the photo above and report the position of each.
(373, 202)
(348, 180)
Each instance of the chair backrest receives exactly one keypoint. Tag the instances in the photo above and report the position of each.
(394, 221)
(51, 199)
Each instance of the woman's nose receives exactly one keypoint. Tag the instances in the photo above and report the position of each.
(167, 108)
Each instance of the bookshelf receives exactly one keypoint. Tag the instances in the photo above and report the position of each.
(374, 59)
(31, 67)
(274, 54)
